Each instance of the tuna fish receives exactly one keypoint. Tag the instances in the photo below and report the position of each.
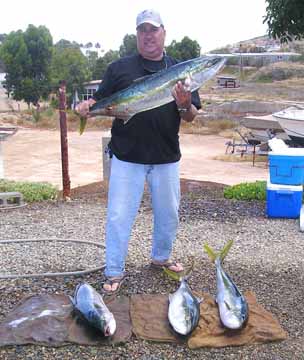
(184, 309)
(89, 303)
(233, 307)
(155, 90)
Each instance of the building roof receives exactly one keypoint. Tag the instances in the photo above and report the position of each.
(93, 82)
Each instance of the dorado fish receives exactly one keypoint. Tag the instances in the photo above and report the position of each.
(233, 307)
(92, 307)
(155, 90)
(184, 309)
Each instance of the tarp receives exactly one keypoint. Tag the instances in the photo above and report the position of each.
(149, 316)
(50, 320)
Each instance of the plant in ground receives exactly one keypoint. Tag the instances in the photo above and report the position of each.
(246, 191)
(31, 191)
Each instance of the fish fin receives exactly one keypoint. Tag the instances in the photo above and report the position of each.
(227, 305)
(97, 306)
(211, 253)
(199, 300)
(185, 274)
(82, 124)
(72, 300)
(170, 297)
(140, 79)
(172, 274)
(223, 253)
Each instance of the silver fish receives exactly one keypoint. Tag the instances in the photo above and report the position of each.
(155, 90)
(92, 307)
(184, 309)
(233, 307)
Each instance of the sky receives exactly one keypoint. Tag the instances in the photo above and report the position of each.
(212, 23)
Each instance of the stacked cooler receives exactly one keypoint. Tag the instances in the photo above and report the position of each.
(285, 187)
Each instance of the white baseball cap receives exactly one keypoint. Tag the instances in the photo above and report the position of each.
(149, 16)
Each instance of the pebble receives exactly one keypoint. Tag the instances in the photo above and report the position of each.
(267, 258)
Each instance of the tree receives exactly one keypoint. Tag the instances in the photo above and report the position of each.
(63, 44)
(2, 37)
(71, 65)
(92, 57)
(129, 45)
(184, 50)
(103, 62)
(27, 57)
(285, 19)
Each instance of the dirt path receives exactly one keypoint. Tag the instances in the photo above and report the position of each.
(34, 155)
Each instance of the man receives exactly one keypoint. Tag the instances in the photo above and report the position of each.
(144, 149)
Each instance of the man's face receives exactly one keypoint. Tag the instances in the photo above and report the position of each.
(150, 41)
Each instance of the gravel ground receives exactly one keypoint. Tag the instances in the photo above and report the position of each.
(267, 258)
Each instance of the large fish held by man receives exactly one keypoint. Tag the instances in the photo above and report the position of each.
(232, 305)
(155, 90)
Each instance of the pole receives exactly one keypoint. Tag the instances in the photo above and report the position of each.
(241, 65)
(64, 142)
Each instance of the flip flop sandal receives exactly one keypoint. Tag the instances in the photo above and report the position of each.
(167, 265)
(110, 281)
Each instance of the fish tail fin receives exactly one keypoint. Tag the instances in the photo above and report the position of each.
(82, 124)
(211, 253)
(183, 275)
(225, 250)
(222, 254)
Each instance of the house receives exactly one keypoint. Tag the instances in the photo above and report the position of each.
(2, 78)
(90, 89)
(257, 59)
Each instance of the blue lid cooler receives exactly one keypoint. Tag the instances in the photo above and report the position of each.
(283, 201)
(287, 166)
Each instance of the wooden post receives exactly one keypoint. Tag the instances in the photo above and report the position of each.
(66, 193)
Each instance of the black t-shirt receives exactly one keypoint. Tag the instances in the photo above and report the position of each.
(150, 137)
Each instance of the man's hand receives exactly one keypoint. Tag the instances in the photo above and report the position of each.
(182, 95)
(83, 108)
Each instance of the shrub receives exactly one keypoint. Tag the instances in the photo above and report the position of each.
(31, 191)
(279, 71)
(246, 191)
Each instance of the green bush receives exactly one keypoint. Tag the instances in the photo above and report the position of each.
(246, 191)
(31, 191)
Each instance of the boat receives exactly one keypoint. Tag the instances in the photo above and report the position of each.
(266, 122)
(292, 121)
(263, 136)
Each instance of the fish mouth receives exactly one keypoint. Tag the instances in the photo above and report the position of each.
(107, 331)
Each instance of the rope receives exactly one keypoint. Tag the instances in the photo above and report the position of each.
(52, 274)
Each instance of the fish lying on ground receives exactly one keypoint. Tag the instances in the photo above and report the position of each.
(184, 309)
(92, 307)
(155, 90)
(233, 307)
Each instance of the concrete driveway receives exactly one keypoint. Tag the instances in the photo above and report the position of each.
(34, 155)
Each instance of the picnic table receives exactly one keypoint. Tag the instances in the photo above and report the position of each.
(228, 81)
